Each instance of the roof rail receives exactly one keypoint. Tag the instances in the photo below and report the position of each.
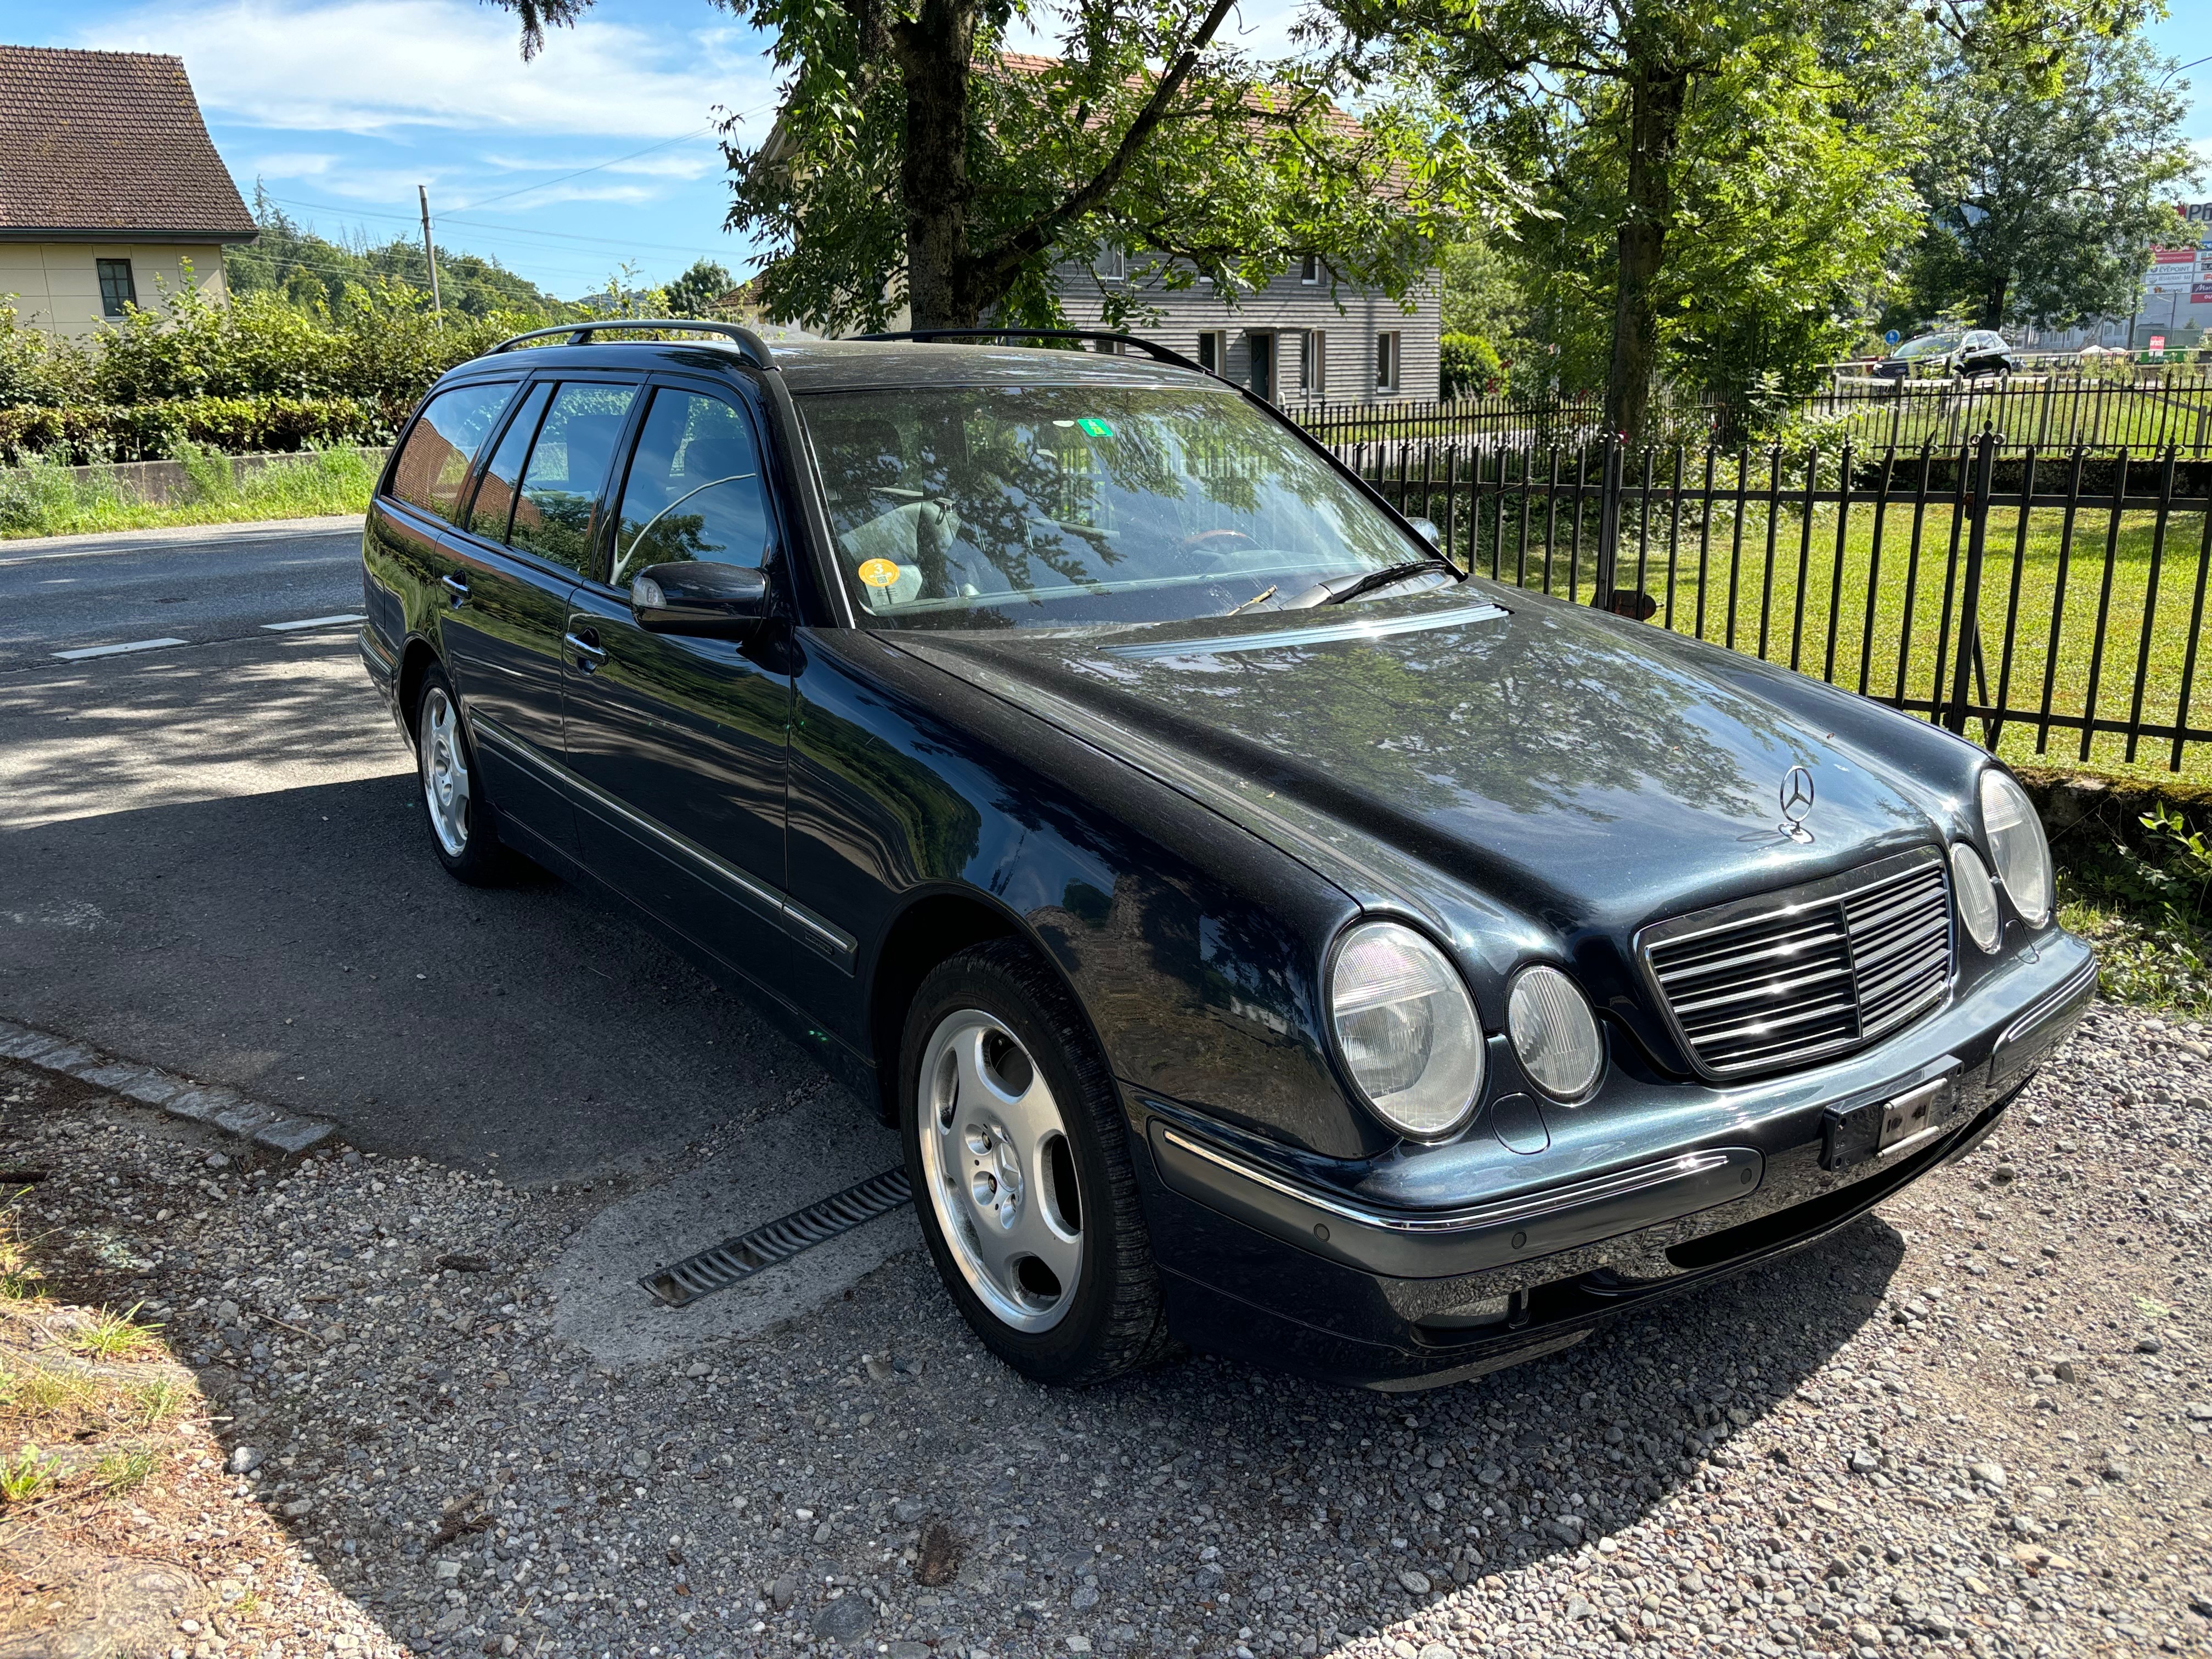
(755, 348)
(1151, 348)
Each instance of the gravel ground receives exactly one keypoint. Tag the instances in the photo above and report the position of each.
(1977, 1421)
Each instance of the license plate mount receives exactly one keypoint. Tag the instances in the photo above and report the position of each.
(1887, 1129)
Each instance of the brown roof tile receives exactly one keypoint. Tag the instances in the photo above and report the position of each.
(109, 143)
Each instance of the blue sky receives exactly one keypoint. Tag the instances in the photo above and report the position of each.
(600, 152)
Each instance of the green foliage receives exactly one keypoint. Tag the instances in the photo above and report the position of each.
(2045, 208)
(1471, 366)
(42, 498)
(2145, 901)
(309, 270)
(259, 374)
(25, 1474)
(1239, 169)
(698, 292)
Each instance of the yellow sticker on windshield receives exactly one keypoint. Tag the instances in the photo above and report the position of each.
(880, 573)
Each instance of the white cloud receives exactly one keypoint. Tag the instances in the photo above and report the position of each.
(376, 66)
(694, 162)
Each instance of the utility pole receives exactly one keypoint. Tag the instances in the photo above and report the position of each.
(430, 252)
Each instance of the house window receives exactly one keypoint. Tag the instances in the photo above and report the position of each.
(117, 290)
(1214, 352)
(1386, 366)
(1113, 264)
(1309, 268)
(1313, 362)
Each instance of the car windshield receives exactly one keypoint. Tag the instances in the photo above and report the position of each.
(1928, 344)
(997, 506)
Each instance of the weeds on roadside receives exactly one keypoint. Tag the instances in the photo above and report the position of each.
(44, 498)
(117, 1336)
(121, 1472)
(25, 1474)
(2144, 908)
(157, 1401)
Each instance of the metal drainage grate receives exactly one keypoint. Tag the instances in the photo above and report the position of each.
(735, 1260)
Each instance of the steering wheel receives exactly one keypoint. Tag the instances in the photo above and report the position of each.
(1214, 542)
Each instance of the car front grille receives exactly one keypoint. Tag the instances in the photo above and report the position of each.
(1766, 984)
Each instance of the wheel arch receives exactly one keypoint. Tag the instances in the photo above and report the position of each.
(934, 927)
(415, 661)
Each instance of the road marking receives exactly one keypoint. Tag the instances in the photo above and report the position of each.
(314, 622)
(79, 655)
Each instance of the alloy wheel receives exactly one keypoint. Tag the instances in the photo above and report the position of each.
(999, 1171)
(444, 772)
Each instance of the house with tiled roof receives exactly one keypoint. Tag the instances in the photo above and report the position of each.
(110, 189)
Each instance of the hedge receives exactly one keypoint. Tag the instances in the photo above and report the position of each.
(152, 430)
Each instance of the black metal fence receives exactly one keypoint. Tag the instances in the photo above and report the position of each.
(2050, 600)
(2145, 408)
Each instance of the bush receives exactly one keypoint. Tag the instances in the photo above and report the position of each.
(87, 433)
(1470, 366)
(259, 374)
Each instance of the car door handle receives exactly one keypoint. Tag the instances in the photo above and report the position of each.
(585, 645)
(457, 587)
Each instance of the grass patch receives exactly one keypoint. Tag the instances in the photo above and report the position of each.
(2093, 624)
(116, 1336)
(124, 1471)
(43, 498)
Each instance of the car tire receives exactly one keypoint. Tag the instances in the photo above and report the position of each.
(464, 830)
(1018, 1156)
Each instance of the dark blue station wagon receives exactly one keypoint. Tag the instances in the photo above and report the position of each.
(1266, 936)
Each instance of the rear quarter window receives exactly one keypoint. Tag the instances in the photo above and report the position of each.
(433, 465)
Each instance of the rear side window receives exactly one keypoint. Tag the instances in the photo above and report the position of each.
(694, 490)
(568, 469)
(434, 464)
(495, 502)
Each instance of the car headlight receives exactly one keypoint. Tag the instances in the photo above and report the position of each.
(1407, 1029)
(1554, 1033)
(1978, 897)
(2016, 842)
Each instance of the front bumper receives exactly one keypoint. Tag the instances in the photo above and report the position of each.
(1274, 1259)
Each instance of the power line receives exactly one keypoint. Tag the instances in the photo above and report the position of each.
(509, 232)
(471, 207)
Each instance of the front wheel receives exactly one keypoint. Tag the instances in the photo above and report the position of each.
(1019, 1160)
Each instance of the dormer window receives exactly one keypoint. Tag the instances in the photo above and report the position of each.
(1310, 268)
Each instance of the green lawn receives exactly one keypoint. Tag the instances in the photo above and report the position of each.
(42, 499)
(1779, 586)
(2051, 414)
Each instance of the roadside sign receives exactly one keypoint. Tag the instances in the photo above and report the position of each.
(1892, 338)
(2157, 345)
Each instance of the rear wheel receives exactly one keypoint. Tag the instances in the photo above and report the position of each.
(1019, 1160)
(462, 831)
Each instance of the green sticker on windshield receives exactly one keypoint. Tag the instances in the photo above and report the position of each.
(1095, 427)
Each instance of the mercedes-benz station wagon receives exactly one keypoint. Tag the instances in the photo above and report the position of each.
(1266, 936)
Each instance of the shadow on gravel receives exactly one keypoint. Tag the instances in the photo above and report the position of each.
(303, 945)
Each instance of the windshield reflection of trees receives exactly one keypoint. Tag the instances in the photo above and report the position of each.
(1040, 501)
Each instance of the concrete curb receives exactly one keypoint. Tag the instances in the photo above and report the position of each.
(218, 1108)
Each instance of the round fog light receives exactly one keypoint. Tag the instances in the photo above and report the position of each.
(1976, 895)
(1554, 1033)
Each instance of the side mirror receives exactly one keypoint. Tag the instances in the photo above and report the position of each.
(707, 601)
(1426, 529)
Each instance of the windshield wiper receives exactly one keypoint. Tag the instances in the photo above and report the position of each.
(1337, 591)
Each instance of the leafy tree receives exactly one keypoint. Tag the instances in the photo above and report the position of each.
(698, 291)
(2045, 208)
(916, 164)
(1714, 178)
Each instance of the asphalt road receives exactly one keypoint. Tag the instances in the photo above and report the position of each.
(213, 859)
(199, 586)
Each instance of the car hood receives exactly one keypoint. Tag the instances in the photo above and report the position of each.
(1585, 771)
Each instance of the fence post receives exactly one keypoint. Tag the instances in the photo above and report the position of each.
(1608, 523)
(1969, 583)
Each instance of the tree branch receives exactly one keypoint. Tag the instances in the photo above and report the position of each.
(1042, 232)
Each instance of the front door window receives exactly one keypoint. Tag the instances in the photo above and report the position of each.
(694, 489)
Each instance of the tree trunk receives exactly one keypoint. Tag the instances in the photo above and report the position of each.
(936, 51)
(1656, 93)
(1993, 303)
